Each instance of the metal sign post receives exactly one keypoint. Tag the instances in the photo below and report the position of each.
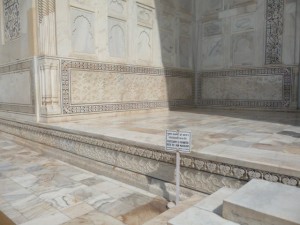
(178, 141)
(177, 176)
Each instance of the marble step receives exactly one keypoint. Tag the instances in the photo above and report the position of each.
(263, 202)
(196, 216)
(163, 218)
(214, 202)
(205, 212)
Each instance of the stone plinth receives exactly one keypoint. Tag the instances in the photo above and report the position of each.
(262, 202)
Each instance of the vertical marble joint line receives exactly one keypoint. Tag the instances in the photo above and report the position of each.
(274, 31)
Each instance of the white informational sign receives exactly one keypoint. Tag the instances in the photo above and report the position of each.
(178, 141)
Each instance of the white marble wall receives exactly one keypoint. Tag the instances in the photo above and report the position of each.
(234, 35)
(15, 88)
(142, 32)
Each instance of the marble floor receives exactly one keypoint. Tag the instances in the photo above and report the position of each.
(254, 137)
(273, 131)
(37, 190)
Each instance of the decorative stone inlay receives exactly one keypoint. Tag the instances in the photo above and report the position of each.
(274, 31)
(285, 72)
(143, 159)
(68, 108)
(45, 7)
(12, 25)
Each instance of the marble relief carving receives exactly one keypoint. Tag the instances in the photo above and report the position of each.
(82, 30)
(186, 6)
(68, 108)
(117, 7)
(116, 37)
(238, 3)
(197, 173)
(242, 23)
(166, 21)
(185, 50)
(243, 49)
(168, 47)
(212, 28)
(212, 52)
(185, 28)
(274, 31)
(285, 93)
(212, 6)
(144, 16)
(144, 44)
(12, 25)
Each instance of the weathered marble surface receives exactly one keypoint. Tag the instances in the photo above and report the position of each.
(243, 88)
(15, 88)
(103, 87)
(262, 202)
(39, 190)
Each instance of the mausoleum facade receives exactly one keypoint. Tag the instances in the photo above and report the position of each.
(62, 60)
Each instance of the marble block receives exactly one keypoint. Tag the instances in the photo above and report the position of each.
(214, 202)
(196, 216)
(263, 202)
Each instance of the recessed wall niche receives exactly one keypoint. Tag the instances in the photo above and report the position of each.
(117, 28)
(144, 28)
(82, 29)
(117, 37)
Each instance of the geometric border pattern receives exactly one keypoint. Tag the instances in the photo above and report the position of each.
(139, 157)
(68, 108)
(286, 72)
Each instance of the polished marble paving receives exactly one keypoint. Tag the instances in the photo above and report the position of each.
(37, 190)
(273, 131)
(250, 138)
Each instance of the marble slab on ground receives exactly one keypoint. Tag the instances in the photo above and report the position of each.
(37, 190)
(263, 202)
(196, 216)
(214, 202)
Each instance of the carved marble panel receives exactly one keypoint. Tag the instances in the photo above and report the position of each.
(168, 47)
(117, 7)
(185, 52)
(243, 23)
(185, 28)
(117, 37)
(186, 6)
(239, 3)
(213, 52)
(144, 15)
(144, 44)
(166, 21)
(15, 88)
(82, 27)
(166, 5)
(243, 88)
(243, 49)
(89, 87)
(212, 6)
(211, 28)
(12, 25)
